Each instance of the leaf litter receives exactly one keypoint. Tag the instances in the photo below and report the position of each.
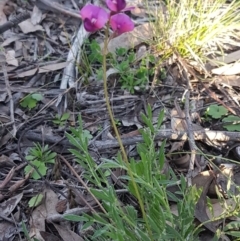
(42, 57)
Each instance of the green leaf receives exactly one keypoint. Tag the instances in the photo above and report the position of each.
(65, 116)
(232, 118)
(37, 97)
(121, 51)
(232, 127)
(233, 123)
(29, 102)
(234, 233)
(40, 166)
(42, 169)
(24, 228)
(30, 158)
(86, 134)
(101, 194)
(131, 57)
(100, 232)
(123, 66)
(51, 157)
(232, 225)
(75, 218)
(160, 119)
(216, 111)
(35, 201)
(107, 164)
(99, 74)
(27, 169)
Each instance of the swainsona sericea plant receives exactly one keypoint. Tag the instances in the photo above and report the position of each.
(94, 17)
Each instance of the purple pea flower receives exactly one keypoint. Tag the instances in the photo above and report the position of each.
(94, 17)
(121, 23)
(116, 5)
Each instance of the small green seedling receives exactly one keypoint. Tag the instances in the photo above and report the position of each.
(87, 134)
(79, 132)
(133, 74)
(26, 234)
(232, 123)
(35, 201)
(117, 122)
(30, 101)
(61, 120)
(131, 77)
(39, 156)
(216, 111)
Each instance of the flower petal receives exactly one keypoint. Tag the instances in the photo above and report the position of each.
(89, 26)
(102, 18)
(121, 23)
(94, 17)
(116, 5)
(87, 11)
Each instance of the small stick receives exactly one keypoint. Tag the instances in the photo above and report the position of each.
(18, 19)
(8, 89)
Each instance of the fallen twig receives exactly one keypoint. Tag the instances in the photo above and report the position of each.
(8, 89)
(188, 123)
(203, 135)
(60, 8)
(18, 19)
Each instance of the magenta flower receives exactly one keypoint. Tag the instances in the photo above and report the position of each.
(94, 17)
(116, 5)
(121, 23)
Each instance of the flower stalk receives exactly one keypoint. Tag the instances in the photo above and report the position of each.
(124, 154)
(95, 18)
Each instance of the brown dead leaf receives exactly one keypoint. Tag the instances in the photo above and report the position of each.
(18, 184)
(28, 27)
(231, 80)
(218, 208)
(10, 58)
(183, 161)
(8, 178)
(203, 180)
(40, 213)
(139, 12)
(9, 205)
(10, 40)
(6, 161)
(3, 96)
(49, 236)
(61, 206)
(230, 58)
(229, 69)
(177, 145)
(201, 206)
(66, 234)
(9, 8)
(129, 40)
(3, 18)
(36, 15)
(177, 123)
(43, 69)
(7, 230)
(131, 134)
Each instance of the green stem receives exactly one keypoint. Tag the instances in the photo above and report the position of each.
(124, 155)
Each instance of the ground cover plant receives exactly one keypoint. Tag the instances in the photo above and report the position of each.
(120, 120)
